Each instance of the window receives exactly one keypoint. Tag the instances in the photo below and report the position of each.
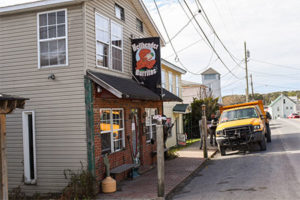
(52, 39)
(209, 76)
(29, 148)
(283, 100)
(163, 78)
(170, 82)
(291, 108)
(139, 25)
(112, 130)
(119, 12)
(287, 107)
(177, 85)
(150, 124)
(109, 47)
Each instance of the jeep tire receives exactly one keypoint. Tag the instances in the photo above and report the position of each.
(268, 135)
(222, 150)
(263, 144)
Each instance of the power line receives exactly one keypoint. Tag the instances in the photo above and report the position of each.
(171, 43)
(209, 40)
(214, 31)
(278, 65)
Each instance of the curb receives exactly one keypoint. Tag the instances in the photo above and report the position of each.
(179, 185)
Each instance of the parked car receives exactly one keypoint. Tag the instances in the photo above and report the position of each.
(294, 116)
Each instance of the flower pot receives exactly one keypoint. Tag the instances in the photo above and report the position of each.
(109, 185)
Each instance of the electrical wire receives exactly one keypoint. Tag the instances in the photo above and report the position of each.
(214, 31)
(171, 43)
(209, 41)
(284, 66)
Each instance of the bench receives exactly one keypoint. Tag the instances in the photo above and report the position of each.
(122, 168)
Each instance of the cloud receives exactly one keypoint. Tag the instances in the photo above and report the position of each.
(271, 29)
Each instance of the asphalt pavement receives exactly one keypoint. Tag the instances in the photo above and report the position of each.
(268, 175)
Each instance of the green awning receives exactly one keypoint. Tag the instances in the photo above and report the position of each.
(181, 108)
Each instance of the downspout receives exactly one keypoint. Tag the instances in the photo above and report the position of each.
(84, 38)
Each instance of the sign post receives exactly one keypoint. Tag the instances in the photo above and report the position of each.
(204, 130)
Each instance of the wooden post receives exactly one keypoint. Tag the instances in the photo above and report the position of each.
(160, 160)
(3, 166)
(204, 130)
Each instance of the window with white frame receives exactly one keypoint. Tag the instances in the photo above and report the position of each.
(177, 85)
(112, 130)
(29, 148)
(52, 38)
(170, 82)
(119, 11)
(139, 25)
(109, 43)
(150, 124)
(163, 78)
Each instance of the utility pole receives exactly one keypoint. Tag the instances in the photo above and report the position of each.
(160, 159)
(252, 87)
(204, 130)
(246, 67)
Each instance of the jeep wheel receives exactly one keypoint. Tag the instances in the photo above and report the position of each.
(222, 150)
(268, 133)
(263, 144)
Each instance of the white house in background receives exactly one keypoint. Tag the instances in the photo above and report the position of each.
(191, 90)
(282, 107)
(296, 100)
(212, 79)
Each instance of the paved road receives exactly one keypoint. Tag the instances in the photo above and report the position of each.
(273, 174)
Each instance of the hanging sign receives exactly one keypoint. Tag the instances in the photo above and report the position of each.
(146, 65)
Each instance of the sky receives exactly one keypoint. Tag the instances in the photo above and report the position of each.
(271, 29)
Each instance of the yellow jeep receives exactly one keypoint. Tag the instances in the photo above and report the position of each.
(242, 124)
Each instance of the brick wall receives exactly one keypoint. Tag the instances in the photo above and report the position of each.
(107, 100)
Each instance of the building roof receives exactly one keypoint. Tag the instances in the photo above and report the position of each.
(9, 102)
(185, 83)
(181, 108)
(278, 98)
(10, 7)
(128, 88)
(210, 71)
(172, 66)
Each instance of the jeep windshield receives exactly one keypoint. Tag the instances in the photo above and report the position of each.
(238, 114)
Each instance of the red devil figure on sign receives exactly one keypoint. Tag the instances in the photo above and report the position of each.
(146, 59)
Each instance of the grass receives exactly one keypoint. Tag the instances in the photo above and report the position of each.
(173, 150)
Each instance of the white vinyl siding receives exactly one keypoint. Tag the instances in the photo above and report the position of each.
(112, 130)
(29, 147)
(52, 34)
(109, 43)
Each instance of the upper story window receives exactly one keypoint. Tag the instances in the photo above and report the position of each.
(52, 38)
(139, 25)
(109, 47)
(170, 82)
(163, 78)
(209, 76)
(177, 85)
(119, 11)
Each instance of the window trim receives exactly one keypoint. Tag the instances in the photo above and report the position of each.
(26, 163)
(163, 79)
(112, 130)
(142, 23)
(118, 6)
(170, 74)
(177, 85)
(109, 44)
(151, 124)
(57, 38)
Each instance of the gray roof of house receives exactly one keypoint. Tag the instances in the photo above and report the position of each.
(210, 71)
(128, 88)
